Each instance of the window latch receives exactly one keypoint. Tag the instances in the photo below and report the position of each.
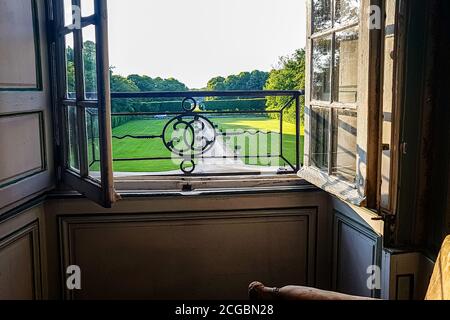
(404, 148)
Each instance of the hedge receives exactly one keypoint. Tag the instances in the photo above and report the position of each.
(234, 105)
(257, 105)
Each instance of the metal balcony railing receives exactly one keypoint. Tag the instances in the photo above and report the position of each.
(205, 132)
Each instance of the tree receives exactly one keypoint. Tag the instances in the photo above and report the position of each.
(90, 68)
(122, 84)
(289, 75)
(145, 83)
(216, 84)
(70, 72)
(246, 81)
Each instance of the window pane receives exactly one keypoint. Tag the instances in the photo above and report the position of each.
(321, 15)
(346, 11)
(89, 63)
(72, 138)
(344, 145)
(345, 76)
(68, 12)
(321, 69)
(70, 67)
(319, 137)
(87, 8)
(93, 144)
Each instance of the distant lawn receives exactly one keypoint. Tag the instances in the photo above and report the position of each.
(154, 148)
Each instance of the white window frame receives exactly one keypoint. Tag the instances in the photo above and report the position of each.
(364, 191)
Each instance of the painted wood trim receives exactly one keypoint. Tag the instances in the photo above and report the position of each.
(333, 185)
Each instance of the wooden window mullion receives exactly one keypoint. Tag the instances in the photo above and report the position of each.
(80, 94)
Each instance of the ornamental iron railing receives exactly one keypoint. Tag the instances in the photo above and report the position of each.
(204, 132)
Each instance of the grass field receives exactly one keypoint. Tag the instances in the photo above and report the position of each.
(154, 148)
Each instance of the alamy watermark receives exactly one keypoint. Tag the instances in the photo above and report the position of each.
(375, 18)
(76, 18)
(374, 12)
(374, 279)
(73, 281)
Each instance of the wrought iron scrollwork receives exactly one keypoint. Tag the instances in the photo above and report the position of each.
(194, 140)
(189, 135)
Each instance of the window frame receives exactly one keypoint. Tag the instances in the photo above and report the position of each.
(104, 192)
(101, 191)
(364, 191)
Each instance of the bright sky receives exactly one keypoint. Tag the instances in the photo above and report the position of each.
(195, 40)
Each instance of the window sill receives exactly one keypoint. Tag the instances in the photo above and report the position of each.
(204, 186)
(195, 185)
(335, 186)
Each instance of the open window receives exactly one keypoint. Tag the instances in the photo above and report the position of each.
(143, 134)
(341, 117)
(83, 97)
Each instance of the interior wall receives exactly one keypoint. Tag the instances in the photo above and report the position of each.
(202, 247)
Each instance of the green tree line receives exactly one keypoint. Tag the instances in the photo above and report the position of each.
(289, 74)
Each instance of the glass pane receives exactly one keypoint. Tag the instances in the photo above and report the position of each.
(345, 76)
(89, 63)
(344, 145)
(319, 137)
(93, 143)
(68, 12)
(87, 8)
(346, 11)
(321, 15)
(70, 67)
(321, 69)
(72, 138)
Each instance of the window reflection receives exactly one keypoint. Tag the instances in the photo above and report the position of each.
(344, 144)
(345, 75)
(321, 73)
(321, 15)
(346, 11)
(89, 63)
(319, 137)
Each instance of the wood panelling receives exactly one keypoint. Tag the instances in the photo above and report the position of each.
(26, 139)
(204, 255)
(20, 271)
(133, 234)
(407, 275)
(22, 145)
(19, 54)
(355, 248)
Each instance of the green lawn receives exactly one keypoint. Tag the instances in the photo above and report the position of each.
(140, 148)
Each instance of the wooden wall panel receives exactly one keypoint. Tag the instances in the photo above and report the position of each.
(26, 131)
(21, 136)
(356, 246)
(20, 271)
(408, 275)
(196, 256)
(19, 52)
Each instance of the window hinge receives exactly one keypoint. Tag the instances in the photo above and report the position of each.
(404, 148)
